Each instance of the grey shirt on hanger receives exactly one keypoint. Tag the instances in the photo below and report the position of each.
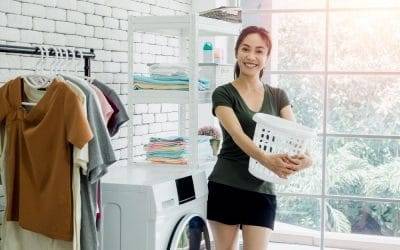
(101, 156)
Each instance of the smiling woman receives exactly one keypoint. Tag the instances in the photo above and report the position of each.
(232, 188)
(258, 37)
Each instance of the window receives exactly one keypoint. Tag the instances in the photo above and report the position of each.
(339, 62)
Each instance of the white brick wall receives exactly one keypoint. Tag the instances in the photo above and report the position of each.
(41, 24)
(65, 27)
(3, 19)
(148, 118)
(75, 17)
(119, 13)
(9, 6)
(30, 36)
(35, 10)
(18, 21)
(101, 25)
(56, 14)
(85, 7)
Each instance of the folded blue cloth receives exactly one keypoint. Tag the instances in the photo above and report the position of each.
(165, 154)
(159, 79)
(177, 78)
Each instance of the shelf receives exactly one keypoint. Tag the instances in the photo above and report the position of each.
(148, 175)
(187, 28)
(178, 25)
(203, 165)
(166, 96)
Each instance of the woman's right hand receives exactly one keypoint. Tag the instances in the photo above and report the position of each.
(279, 164)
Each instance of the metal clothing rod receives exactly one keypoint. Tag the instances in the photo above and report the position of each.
(87, 55)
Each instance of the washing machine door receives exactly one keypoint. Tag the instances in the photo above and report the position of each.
(191, 233)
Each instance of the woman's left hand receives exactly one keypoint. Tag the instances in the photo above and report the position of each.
(302, 161)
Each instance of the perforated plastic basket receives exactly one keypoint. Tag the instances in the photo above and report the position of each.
(276, 135)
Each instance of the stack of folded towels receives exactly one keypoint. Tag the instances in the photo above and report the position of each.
(170, 150)
(167, 76)
(173, 149)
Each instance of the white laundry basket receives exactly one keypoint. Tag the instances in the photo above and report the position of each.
(276, 135)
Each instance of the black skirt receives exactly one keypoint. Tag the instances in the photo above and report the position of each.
(233, 206)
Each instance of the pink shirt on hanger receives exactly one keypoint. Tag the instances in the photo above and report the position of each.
(106, 108)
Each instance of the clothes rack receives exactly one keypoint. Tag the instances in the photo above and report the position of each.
(87, 55)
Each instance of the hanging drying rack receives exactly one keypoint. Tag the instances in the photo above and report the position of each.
(87, 55)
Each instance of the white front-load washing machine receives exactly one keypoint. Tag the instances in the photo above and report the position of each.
(154, 208)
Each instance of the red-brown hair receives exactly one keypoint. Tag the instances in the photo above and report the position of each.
(245, 32)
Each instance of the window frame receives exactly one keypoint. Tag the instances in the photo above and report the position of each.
(326, 73)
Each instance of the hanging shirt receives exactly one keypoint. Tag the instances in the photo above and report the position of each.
(80, 159)
(106, 108)
(101, 155)
(120, 116)
(38, 176)
(16, 238)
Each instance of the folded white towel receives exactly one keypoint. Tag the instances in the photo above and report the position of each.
(168, 69)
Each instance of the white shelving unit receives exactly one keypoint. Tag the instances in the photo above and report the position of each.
(187, 28)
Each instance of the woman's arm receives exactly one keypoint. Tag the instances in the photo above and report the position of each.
(275, 162)
(287, 113)
(303, 160)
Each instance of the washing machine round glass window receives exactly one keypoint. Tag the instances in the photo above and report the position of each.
(190, 233)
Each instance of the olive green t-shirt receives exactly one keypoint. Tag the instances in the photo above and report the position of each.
(231, 167)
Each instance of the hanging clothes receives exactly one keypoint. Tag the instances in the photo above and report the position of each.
(106, 108)
(69, 104)
(120, 115)
(101, 155)
(38, 176)
(80, 161)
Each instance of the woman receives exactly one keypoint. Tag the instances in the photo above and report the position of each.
(236, 198)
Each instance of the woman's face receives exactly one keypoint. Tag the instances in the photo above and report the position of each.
(252, 55)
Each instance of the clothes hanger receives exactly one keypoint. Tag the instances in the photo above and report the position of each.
(36, 79)
(71, 61)
(65, 61)
(60, 63)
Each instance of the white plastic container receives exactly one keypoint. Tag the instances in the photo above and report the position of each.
(276, 135)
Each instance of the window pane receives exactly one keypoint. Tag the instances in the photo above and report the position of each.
(282, 4)
(364, 104)
(364, 41)
(298, 212)
(297, 39)
(363, 167)
(349, 220)
(306, 96)
(363, 3)
(307, 181)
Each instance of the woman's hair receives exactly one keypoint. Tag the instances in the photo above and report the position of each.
(245, 32)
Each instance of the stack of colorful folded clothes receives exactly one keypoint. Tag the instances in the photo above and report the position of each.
(171, 150)
(166, 76)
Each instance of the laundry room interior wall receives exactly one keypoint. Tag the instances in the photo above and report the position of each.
(101, 25)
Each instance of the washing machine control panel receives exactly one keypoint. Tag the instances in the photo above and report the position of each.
(185, 189)
(179, 191)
